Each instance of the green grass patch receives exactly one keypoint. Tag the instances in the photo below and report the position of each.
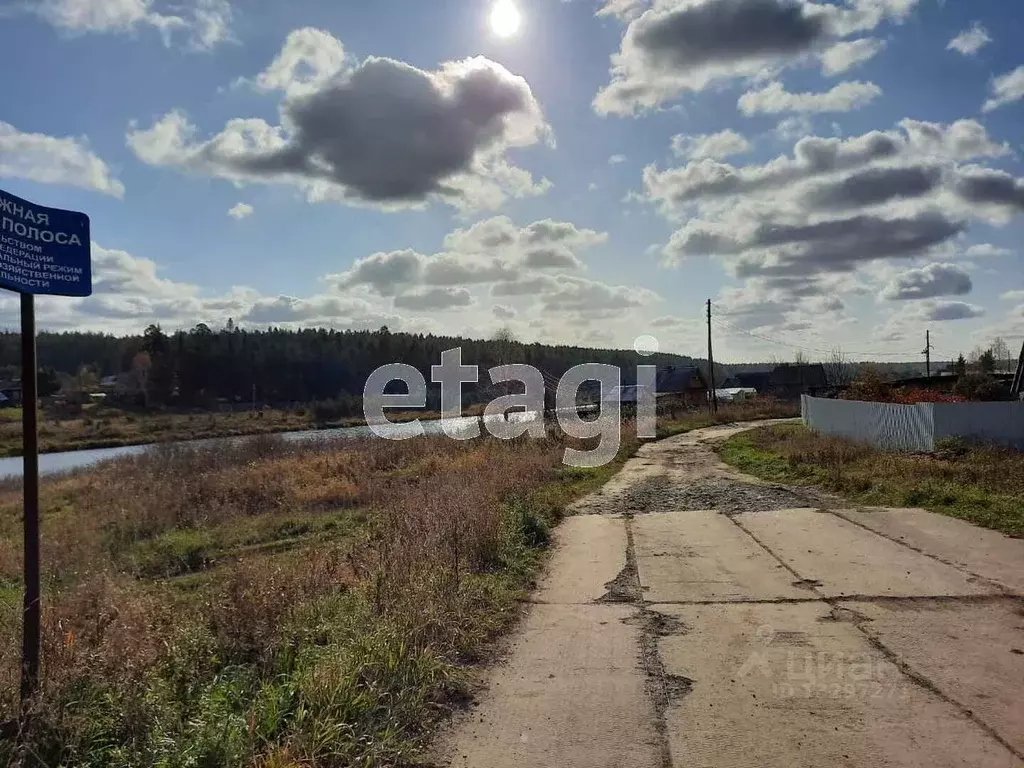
(982, 485)
(10, 415)
(183, 551)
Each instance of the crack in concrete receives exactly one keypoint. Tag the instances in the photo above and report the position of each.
(662, 688)
(625, 587)
(853, 597)
(861, 622)
(963, 569)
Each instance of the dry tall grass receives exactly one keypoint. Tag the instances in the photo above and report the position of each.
(323, 595)
(982, 484)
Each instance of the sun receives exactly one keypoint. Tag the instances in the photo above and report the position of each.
(505, 18)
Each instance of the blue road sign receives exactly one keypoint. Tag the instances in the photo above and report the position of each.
(43, 250)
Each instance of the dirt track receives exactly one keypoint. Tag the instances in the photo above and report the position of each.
(692, 616)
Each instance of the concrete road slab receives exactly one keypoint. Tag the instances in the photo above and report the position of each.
(782, 685)
(990, 554)
(848, 560)
(571, 696)
(703, 556)
(589, 552)
(972, 653)
(683, 458)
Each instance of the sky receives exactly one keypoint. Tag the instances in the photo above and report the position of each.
(836, 175)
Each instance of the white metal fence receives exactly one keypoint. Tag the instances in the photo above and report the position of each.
(915, 427)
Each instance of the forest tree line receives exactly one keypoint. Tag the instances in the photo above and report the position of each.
(201, 366)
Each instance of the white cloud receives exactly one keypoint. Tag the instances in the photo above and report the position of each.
(434, 299)
(714, 146)
(308, 59)
(689, 45)
(960, 140)
(616, 159)
(335, 311)
(929, 282)
(867, 213)
(205, 21)
(623, 9)
(49, 160)
(774, 98)
(129, 290)
(584, 297)
(382, 133)
(986, 249)
(1013, 296)
(792, 128)
(538, 263)
(240, 211)
(971, 40)
(490, 251)
(1006, 89)
(940, 311)
(211, 23)
(922, 145)
(669, 321)
(840, 57)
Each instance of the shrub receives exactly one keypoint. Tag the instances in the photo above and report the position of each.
(868, 386)
(979, 387)
(913, 396)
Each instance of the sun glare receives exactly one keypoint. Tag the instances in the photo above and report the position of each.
(505, 18)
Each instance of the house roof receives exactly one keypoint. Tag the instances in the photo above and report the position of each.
(792, 375)
(679, 378)
(754, 379)
(629, 393)
(729, 393)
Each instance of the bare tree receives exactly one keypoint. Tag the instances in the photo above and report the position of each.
(838, 372)
(504, 334)
(1001, 353)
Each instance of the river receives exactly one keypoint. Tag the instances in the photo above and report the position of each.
(67, 460)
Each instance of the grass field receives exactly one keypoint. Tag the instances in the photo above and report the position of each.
(983, 485)
(272, 604)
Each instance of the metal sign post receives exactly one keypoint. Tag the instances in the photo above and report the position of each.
(42, 251)
(31, 638)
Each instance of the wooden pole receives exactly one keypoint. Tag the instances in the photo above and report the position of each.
(712, 394)
(928, 353)
(1018, 378)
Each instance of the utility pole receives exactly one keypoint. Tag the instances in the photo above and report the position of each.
(1018, 378)
(712, 394)
(928, 353)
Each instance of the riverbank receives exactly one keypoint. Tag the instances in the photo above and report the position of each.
(274, 603)
(111, 428)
